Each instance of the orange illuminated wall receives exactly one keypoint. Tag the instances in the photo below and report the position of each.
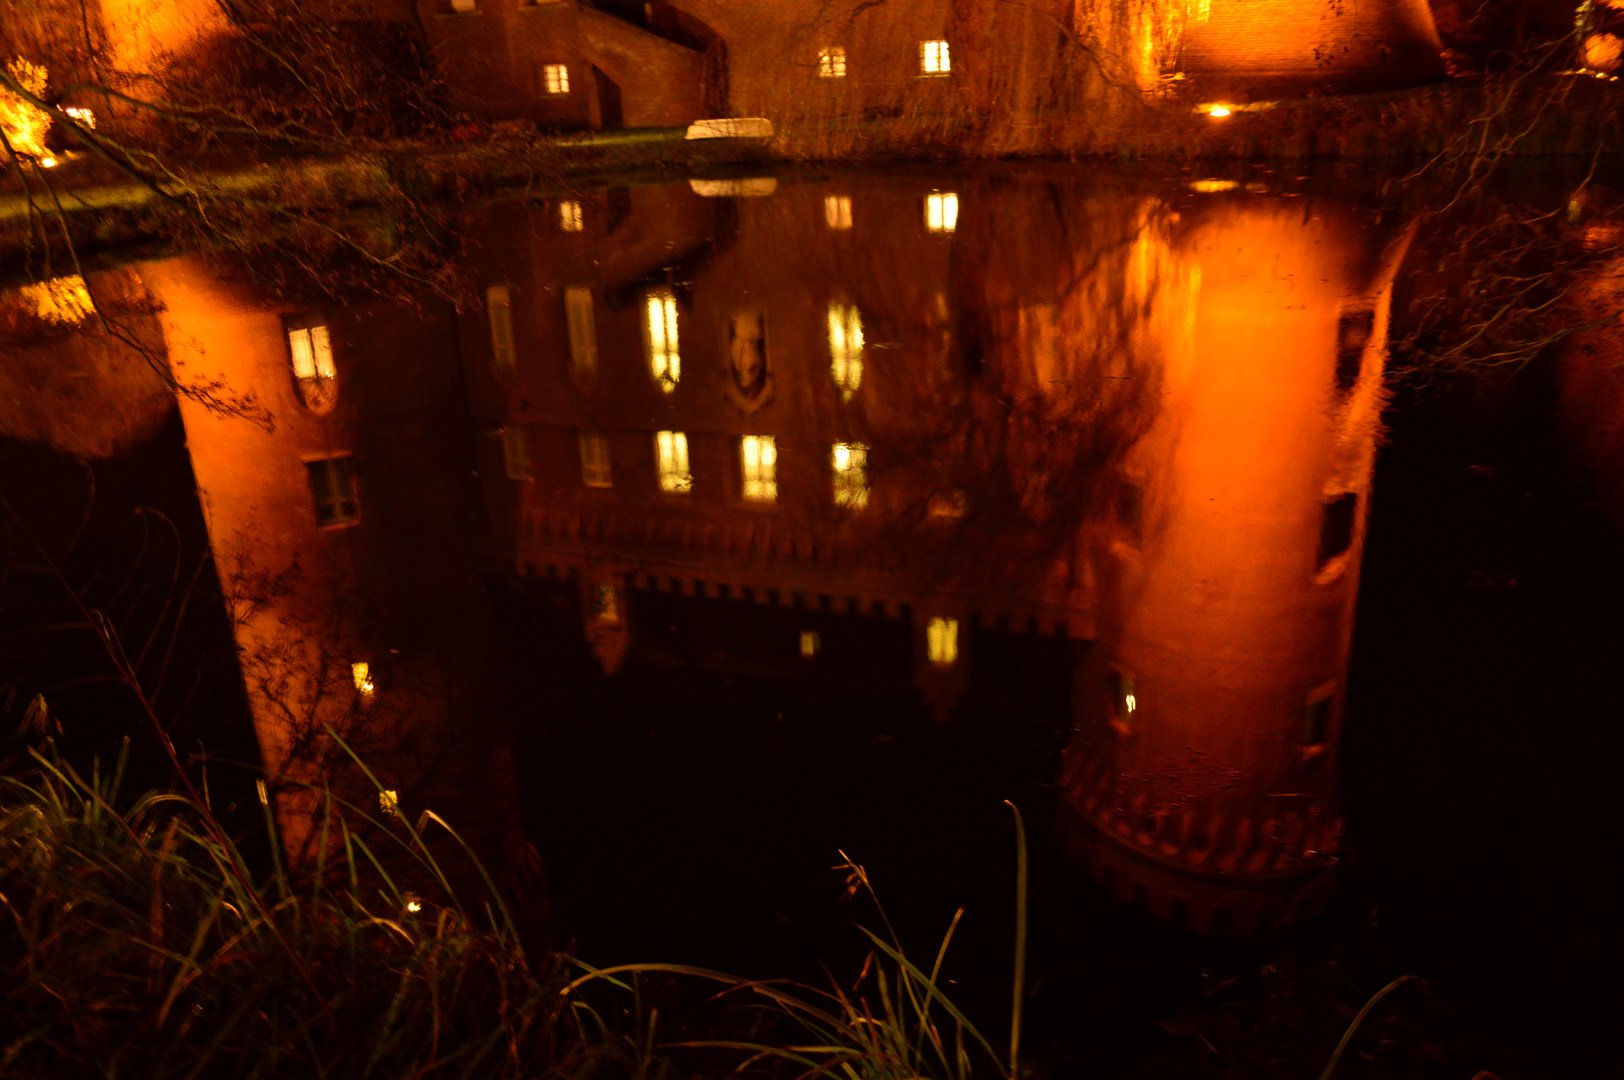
(1202, 777)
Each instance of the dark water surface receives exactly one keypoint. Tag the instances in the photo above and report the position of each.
(736, 524)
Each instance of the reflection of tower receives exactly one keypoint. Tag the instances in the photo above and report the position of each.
(1201, 778)
(339, 513)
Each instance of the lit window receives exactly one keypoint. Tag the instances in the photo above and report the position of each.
(594, 459)
(332, 482)
(463, 7)
(83, 117)
(832, 62)
(933, 58)
(660, 327)
(850, 464)
(1200, 11)
(947, 504)
(837, 211)
(605, 604)
(1126, 701)
(941, 211)
(759, 456)
(312, 354)
(516, 453)
(578, 312)
(499, 306)
(846, 347)
(389, 803)
(556, 78)
(63, 300)
(361, 675)
(569, 216)
(942, 641)
(810, 643)
(671, 452)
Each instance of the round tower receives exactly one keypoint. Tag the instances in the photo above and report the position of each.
(1251, 49)
(1201, 779)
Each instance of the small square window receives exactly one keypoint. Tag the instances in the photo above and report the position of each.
(832, 62)
(837, 211)
(595, 459)
(758, 456)
(934, 58)
(332, 482)
(570, 218)
(671, 455)
(555, 78)
(941, 211)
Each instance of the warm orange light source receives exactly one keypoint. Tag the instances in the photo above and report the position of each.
(1218, 111)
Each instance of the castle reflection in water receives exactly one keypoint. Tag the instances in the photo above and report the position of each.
(1141, 416)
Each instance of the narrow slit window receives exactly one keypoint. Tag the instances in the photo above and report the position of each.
(942, 641)
(1336, 526)
(846, 347)
(758, 456)
(941, 211)
(837, 211)
(332, 484)
(595, 459)
(570, 218)
(499, 306)
(934, 58)
(1125, 698)
(555, 78)
(516, 453)
(660, 328)
(671, 455)
(311, 352)
(849, 462)
(579, 313)
(832, 62)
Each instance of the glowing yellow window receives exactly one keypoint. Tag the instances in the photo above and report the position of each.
(934, 58)
(516, 453)
(837, 211)
(311, 351)
(63, 300)
(361, 675)
(832, 62)
(850, 464)
(941, 211)
(811, 642)
(594, 459)
(660, 330)
(846, 347)
(1200, 11)
(1125, 699)
(499, 306)
(942, 641)
(671, 455)
(569, 216)
(759, 458)
(556, 78)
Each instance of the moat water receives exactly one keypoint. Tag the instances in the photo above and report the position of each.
(734, 527)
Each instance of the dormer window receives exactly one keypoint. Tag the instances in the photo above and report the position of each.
(934, 58)
(832, 62)
(310, 351)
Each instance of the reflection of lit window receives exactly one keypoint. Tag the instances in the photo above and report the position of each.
(941, 211)
(947, 504)
(312, 353)
(332, 482)
(837, 211)
(1126, 701)
(389, 803)
(810, 643)
(578, 312)
(832, 62)
(569, 216)
(671, 453)
(556, 78)
(846, 347)
(759, 458)
(660, 327)
(605, 605)
(942, 641)
(361, 675)
(63, 300)
(933, 58)
(1200, 11)
(516, 453)
(594, 459)
(850, 464)
(499, 306)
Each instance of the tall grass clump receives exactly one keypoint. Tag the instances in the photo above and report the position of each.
(134, 945)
